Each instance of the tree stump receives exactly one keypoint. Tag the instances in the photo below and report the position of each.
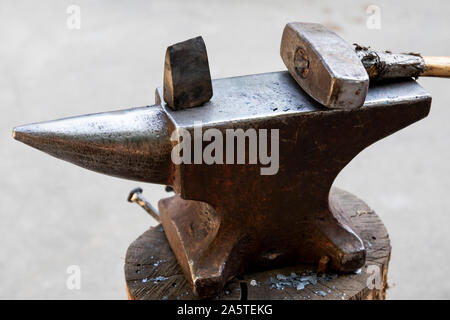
(152, 271)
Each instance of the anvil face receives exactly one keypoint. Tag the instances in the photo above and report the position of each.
(228, 218)
(247, 98)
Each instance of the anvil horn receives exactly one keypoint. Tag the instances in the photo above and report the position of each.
(132, 144)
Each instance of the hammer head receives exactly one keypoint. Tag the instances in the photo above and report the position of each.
(324, 65)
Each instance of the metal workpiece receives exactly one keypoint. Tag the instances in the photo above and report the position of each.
(187, 80)
(226, 219)
(132, 144)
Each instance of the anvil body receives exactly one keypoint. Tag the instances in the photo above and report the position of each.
(228, 218)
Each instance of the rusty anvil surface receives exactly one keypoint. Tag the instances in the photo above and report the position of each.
(235, 218)
(226, 219)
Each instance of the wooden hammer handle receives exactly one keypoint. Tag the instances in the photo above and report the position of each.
(437, 67)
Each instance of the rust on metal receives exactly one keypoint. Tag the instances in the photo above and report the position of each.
(322, 267)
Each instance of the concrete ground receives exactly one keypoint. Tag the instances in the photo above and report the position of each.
(54, 215)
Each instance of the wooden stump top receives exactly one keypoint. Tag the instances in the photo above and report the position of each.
(152, 271)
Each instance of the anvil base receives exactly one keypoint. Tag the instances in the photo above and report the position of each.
(210, 254)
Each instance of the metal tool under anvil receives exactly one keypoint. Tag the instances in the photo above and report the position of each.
(228, 218)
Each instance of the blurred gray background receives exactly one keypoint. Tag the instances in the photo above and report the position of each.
(54, 214)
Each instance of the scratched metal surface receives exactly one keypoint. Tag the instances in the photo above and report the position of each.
(276, 93)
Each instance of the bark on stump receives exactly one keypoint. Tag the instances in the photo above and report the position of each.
(152, 271)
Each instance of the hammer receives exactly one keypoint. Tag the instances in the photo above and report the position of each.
(337, 75)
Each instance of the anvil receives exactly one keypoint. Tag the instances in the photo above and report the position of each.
(226, 219)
